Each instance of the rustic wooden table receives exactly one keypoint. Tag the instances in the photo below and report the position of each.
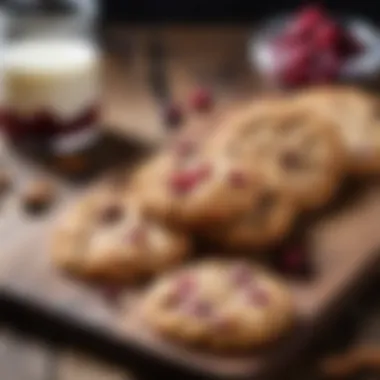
(212, 57)
(215, 58)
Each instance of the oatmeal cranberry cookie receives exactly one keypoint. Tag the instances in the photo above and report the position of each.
(262, 225)
(195, 188)
(220, 305)
(108, 237)
(355, 115)
(297, 148)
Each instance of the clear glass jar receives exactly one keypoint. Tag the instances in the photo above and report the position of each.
(51, 74)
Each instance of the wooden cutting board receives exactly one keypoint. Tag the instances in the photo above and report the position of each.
(344, 246)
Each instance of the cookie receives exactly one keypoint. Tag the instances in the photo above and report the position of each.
(221, 305)
(296, 148)
(355, 115)
(260, 226)
(195, 189)
(107, 236)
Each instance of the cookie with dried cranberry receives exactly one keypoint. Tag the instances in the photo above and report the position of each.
(263, 225)
(355, 116)
(194, 188)
(298, 149)
(108, 237)
(221, 305)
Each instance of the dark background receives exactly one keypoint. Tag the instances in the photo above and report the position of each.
(232, 11)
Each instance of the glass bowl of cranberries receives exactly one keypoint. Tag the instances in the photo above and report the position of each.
(312, 47)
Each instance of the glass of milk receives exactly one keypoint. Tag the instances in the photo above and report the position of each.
(51, 79)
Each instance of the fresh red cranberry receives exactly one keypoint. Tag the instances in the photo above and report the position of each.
(173, 115)
(327, 36)
(306, 21)
(201, 100)
(237, 179)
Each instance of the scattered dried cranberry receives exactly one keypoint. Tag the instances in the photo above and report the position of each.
(237, 179)
(173, 115)
(185, 181)
(201, 100)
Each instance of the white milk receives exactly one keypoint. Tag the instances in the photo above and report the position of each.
(60, 76)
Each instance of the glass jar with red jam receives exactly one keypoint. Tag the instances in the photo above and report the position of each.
(51, 75)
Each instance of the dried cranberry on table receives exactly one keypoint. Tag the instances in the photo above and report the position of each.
(173, 115)
(201, 100)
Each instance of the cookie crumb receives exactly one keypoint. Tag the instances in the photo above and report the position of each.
(38, 196)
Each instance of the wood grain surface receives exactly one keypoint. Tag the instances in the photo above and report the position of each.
(344, 242)
(24, 357)
(214, 58)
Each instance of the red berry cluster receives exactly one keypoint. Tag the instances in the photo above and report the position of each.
(313, 48)
(200, 100)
